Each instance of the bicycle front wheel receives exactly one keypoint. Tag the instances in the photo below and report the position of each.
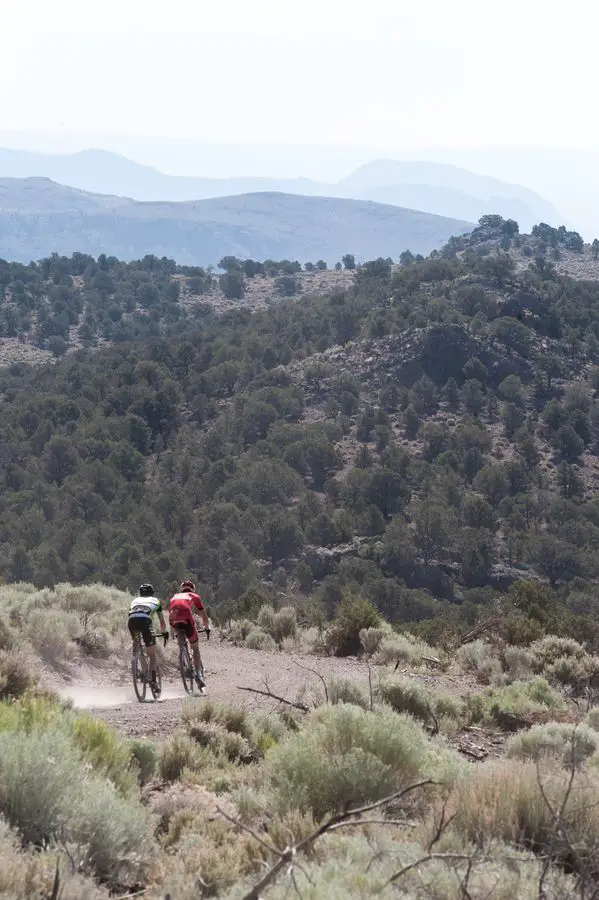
(138, 671)
(186, 669)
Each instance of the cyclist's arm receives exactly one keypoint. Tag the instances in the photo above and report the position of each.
(201, 612)
(160, 615)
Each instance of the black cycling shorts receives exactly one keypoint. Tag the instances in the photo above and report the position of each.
(142, 625)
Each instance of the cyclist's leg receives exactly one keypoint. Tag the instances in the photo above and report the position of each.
(150, 642)
(195, 649)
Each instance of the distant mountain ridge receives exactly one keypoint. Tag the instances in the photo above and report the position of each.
(428, 187)
(39, 217)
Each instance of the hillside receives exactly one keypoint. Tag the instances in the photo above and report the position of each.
(38, 218)
(427, 434)
(387, 494)
(429, 187)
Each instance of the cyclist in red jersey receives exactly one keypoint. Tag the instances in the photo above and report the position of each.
(181, 619)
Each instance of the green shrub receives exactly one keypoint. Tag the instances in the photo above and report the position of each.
(259, 640)
(401, 648)
(144, 759)
(572, 744)
(220, 741)
(551, 648)
(47, 793)
(406, 695)
(177, 755)
(517, 663)
(105, 750)
(343, 690)
(232, 716)
(347, 755)
(352, 616)
(28, 873)
(592, 718)
(505, 706)
(16, 677)
(478, 657)
(52, 633)
(278, 625)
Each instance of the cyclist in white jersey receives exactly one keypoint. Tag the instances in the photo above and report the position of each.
(140, 623)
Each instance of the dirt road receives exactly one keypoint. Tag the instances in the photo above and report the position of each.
(228, 669)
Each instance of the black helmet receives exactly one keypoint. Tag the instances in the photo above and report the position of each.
(146, 590)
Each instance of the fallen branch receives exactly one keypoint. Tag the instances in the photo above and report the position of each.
(287, 857)
(268, 693)
(318, 675)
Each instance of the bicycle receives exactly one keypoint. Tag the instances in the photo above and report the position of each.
(141, 673)
(186, 668)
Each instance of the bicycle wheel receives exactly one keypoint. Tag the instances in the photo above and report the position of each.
(186, 669)
(138, 671)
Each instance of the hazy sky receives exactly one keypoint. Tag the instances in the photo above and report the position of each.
(382, 73)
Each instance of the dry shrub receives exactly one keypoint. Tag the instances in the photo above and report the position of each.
(517, 663)
(570, 744)
(16, 677)
(25, 873)
(179, 754)
(53, 634)
(232, 716)
(370, 638)
(402, 648)
(503, 801)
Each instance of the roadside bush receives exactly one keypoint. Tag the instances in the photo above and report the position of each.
(479, 658)
(279, 624)
(344, 690)
(370, 639)
(352, 616)
(406, 695)
(511, 706)
(232, 716)
(592, 718)
(345, 755)
(568, 743)
(219, 740)
(52, 633)
(257, 639)
(15, 675)
(402, 648)
(106, 751)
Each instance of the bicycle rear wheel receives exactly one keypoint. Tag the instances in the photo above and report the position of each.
(139, 672)
(186, 669)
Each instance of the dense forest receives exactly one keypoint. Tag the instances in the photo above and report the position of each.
(424, 438)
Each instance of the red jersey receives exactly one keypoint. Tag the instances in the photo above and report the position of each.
(184, 602)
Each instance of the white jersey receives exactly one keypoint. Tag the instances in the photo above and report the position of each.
(145, 606)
